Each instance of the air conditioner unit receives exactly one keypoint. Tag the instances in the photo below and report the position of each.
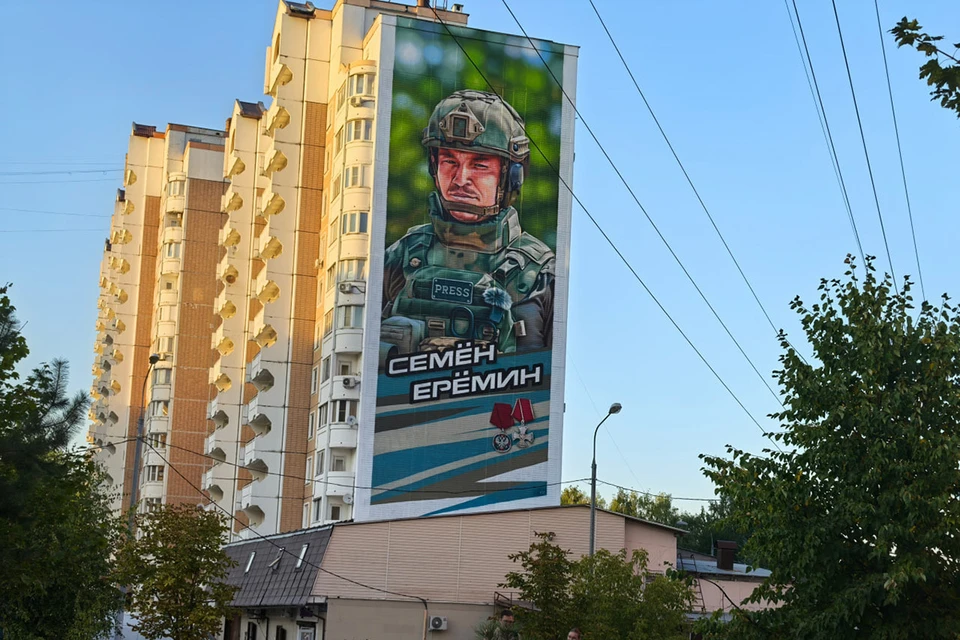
(352, 421)
(438, 623)
(350, 382)
(348, 499)
(346, 287)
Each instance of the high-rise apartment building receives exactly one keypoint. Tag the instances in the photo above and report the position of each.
(290, 412)
(157, 282)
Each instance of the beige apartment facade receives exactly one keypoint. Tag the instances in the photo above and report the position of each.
(156, 294)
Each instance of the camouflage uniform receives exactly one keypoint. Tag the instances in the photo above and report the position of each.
(485, 281)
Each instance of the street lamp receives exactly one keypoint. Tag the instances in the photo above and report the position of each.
(138, 445)
(614, 408)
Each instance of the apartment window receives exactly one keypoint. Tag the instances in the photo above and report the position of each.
(335, 187)
(344, 368)
(360, 130)
(332, 235)
(331, 276)
(161, 376)
(344, 410)
(328, 322)
(175, 188)
(313, 381)
(160, 408)
(174, 220)
(355, 176)
(165, 345)
(338, 141)
(334, 512)
(320, 457)
(354, 222)
(327, 160)
(309, 470)
(317, 506)
(166, 313)
(305, 523)
(151, 504)
(316, 333)
(361, 84)
(171, 249)
(341, 95)
(303, 554)
(154, 473)
(350, 316)
(325, 365)
(157, 440)
(251, 631)
(323, 416)
(354, 269)
(253, 554)
(338, 463)
(311, 424)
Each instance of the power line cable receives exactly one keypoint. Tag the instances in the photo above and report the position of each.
(57, 181)
(274, 544)
(46, 230)
(676, 157)
(57, 172)
(896, 129)
(863, 139)
(643, 209)
(826, 123)
(58, 213)
(655, 495)
(609, 241)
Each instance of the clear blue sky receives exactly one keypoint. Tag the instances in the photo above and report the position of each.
(727, 84)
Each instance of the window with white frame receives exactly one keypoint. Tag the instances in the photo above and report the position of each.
(171, 249)
(338, 141)
(161, 376)
(320, 458)
(313, 380)
(322, 422)
(350, 316)
(360, 130)
(309, 470)
(355, 176)
(317, 509)
(332, 235)
(354, 222)
(153, 473)
(160, 408)
(311, 425)
(338, 463)
(157, 440)
(361, 84)
(331, 276)
(341, 95)
(175, 188)
(335, 186)
(328, 322)
(343, 410)
(325, 366)
(151, 504)
(334, 512)
(353, 269)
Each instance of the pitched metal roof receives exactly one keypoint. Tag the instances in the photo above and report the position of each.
(709, 567)
(273, 578)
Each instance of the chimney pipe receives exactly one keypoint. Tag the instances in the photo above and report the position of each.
(726, 549)
(424, 4)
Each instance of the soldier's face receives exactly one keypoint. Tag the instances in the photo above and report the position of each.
(470, 178)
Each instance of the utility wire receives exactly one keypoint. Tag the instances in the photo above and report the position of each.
(655, 495)
(58, 213)
(52, 173)
(826, 123)
(46, 230)
(643, 209)
(896, 129)
(57, 181)
(676, 157)
(274, 544)
(610, 241)
(863, 139)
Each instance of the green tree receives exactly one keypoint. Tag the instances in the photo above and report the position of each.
(658, 508)
(944, 78)
(606, 596)
(709, 525)
(857, 515)
(56, 530)
(176, 569)
(575, 495)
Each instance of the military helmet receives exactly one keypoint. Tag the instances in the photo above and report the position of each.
(481, 122)
(478, 121)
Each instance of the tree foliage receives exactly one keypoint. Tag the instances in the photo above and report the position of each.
(56, 529)
(177, 570)
(857, 516)
(944, 78)
(607, 596)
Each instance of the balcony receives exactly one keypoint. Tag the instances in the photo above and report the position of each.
(174, 204)
(277, 118)
(216, 414)
(120, 236)
(222, 343)
(213, 446)
(120, 265)
(249, 506)
(275, 161)
(167, 297)
(222, 382)
(228, 273)
(128, 207)
(229, 236)
(261, 458)
(263, 333)
(169, 266)
(231, 201)
(129, 177)
(225, 308)
(173, 234)
(266, 290)
(280, 74)
(343, 436)
(261, 378)
(235, 165)
(349, 341)
(256, 417)
(271, 203)
(340, 483)
(345, 388)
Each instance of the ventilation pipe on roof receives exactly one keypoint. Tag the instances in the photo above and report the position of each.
(725, 552)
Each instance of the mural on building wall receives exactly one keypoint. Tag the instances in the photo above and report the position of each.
(469, 294)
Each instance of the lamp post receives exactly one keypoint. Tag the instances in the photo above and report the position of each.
(138, 445)
(614, 408)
